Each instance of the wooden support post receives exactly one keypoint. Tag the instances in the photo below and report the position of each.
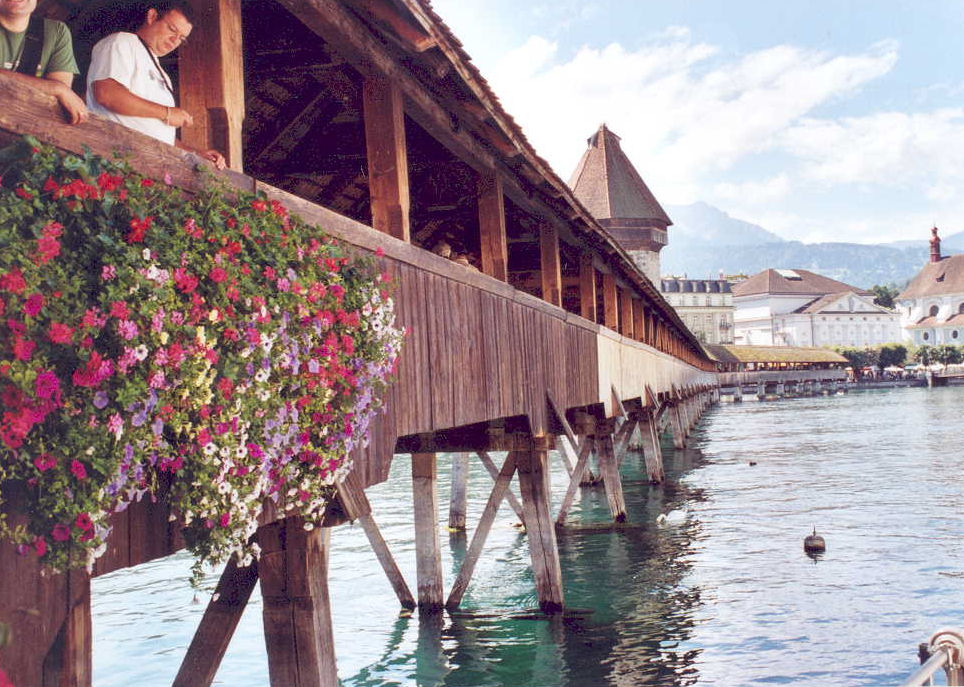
(502, 482)
(211, 80)
(551, 264)
(585, 449)
(626, 314)
(297, 613)
(587, 287)
(611, 478)
(458, 497)
(492, 239)
(428, 552)
(652, 452)
(610, 301)
(227, 604)
(623, 436)
(639, 320)
(543, 549)
(677, 418)
(69, 660)
(384, 116)
(509, 496)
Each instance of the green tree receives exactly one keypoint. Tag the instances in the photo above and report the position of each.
(946, 354)
(925, 354)
(885, 294)
(892, 354)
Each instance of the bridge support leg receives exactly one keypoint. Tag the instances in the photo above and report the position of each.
(203, 658)
(652, 452)
(428, 552)
(509, 496)
(458, 496)
(297, 613)
(677, 423)
(738, 393)
(502, 482)
(582, 464)
(540, 530)
(761, 391)
(611, 478)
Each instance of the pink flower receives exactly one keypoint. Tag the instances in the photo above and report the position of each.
(127, 329)
(40, 546)
(47, 385)
(225, 519)
(45, 462)
(380, 252)
(78, 470)
(60, 333)
(218, 274)
(60, 533)
(48, 248)
(13, 281)
(115, 425)
(34, 304)
(108, 272)
(22, 348)
(83, 522)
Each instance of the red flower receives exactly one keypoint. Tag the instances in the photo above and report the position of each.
(60, 333)
(13, 281)
(60, 533)
(380, 252)
(109, 182)
(34, 304)
(23, 193)
(259, 205)
(47, 385)
(78, 470)
(184, 280)
(139, 228)
(218, 275)
(83, 522)
(147, 183)
(4, 680)
(119, 310)
(40, 545)
(22, 348)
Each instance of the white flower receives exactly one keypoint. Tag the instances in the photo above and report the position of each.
(146, 253)
(223, 488)
(210, 448)
(261, 376)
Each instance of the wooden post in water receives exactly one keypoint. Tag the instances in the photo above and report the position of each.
(458, 498)
(582, 463)
(609, 470)
(677, 420)
(297, 614)
(428, 552)
(652, 452)
(534, 485)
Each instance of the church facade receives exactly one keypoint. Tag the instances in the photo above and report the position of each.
(932, 306)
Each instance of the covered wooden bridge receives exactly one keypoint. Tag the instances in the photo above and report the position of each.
(527, 321)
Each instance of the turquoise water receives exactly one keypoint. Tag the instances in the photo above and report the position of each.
(720, 593)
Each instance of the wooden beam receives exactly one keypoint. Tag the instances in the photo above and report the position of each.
(428, 553)
(639, 320)
(551, 266)
(69, 659)
(211, 79)
(296, 609)
(652, 452)
(387, 157)
(458, 496)
(626, 313)
(221, 617)
(509, 496)
(495, 255)
(499, 491)
(541, 533)
(609, 471)
(587, 287)
(585, 450)
(610, 301)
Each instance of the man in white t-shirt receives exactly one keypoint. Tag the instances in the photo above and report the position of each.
(126, 83)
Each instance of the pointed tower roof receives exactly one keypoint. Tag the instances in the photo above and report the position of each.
(606, 182)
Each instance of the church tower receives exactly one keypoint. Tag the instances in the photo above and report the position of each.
(606, 182)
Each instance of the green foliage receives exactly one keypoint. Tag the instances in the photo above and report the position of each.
(892, 355)
(885, 295)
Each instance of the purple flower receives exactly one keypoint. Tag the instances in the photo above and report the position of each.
(101, 400)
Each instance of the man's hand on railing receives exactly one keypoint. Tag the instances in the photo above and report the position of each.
(178, 117)
(72, 104)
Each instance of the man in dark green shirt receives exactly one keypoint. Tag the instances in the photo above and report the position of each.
(56, 67)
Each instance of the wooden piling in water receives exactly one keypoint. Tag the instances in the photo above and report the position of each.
(428, 553)
(458, 496)
(543, 548)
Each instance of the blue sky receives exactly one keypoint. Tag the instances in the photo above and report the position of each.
(821, 121)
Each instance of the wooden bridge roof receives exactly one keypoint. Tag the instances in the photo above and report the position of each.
(729, 353)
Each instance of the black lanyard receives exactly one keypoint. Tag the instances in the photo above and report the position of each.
(167, 84)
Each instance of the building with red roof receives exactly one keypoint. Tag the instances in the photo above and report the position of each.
(932, 306)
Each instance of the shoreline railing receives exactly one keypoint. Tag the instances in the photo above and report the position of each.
(944, 650)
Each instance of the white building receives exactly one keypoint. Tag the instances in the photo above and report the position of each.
(801, 308)
(932, 306)
(704, 305)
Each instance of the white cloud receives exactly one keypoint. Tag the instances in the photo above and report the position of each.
(754, 192)
(684, 111)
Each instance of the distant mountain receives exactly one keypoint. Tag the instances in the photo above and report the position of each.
(704, 241)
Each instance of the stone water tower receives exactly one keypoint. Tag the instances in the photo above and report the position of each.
(606, 182)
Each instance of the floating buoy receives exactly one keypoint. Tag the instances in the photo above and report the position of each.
(752, 463)
(661, 519)
(814, 543)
